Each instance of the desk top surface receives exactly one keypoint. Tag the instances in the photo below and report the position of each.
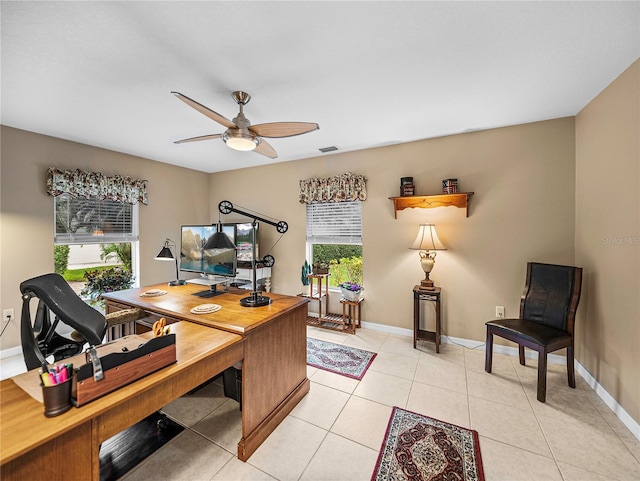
(22, 421)
(233, 317)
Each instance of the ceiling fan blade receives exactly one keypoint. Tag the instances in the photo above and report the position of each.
(221, 119)
(202, 137)
(283, 129)
(265, 148)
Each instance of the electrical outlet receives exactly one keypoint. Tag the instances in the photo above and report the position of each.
(500, 312)
(8, 315)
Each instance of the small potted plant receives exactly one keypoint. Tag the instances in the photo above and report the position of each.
(351, 291)
(320, 268)
(304, 278)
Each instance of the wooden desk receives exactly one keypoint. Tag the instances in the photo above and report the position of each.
(274, 370)
(68, 446)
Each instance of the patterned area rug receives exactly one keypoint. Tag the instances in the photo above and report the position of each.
(419, 448)
(344, 360)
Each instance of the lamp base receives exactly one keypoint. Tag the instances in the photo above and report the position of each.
(179, 282)
(427, 285)
(255, 300)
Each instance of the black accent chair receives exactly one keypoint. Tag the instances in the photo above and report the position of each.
(547, 317)
(39, 337)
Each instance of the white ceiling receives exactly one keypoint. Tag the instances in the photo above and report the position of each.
(370, 73)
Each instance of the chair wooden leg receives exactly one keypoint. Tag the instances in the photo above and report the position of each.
(488, 355)
(542, 376)
(521, 354)
(571, 375)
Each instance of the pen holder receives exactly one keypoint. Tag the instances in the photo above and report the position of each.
(57, 398)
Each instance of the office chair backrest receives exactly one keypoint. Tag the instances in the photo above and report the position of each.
(58, 296)
(551, 295)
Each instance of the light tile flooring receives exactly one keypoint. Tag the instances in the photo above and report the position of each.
(335, 432)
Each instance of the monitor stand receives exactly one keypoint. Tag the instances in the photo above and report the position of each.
(212, 283)
(211, 292)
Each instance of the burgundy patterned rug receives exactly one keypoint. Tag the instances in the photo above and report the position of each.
(344, 360)
(419, 448)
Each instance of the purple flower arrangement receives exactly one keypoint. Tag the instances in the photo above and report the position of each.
(351, 286)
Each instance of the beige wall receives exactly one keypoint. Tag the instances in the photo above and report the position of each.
(531, 202)
(176, 196)
(608, 238)
(523, 209)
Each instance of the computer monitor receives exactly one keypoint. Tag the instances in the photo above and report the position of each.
(208, 262)
(244, 241)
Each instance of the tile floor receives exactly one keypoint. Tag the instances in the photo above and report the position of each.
(337, 429)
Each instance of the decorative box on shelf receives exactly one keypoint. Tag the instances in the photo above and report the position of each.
(406, 186)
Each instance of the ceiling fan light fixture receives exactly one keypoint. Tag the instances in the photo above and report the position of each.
(238, 140)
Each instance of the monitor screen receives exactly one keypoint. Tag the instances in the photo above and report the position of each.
(194, 258)
(244, 241)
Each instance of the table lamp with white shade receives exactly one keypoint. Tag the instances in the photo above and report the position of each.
(428, 244)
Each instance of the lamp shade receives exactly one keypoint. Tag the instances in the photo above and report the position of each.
(219, 240)
(165, 254)
(427, 239)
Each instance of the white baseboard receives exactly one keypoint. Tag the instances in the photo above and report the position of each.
(607, 398)
(400, 331)
(611, 403)
(12, 351)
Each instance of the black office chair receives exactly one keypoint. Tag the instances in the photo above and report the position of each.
(39, 337)
(547, 316)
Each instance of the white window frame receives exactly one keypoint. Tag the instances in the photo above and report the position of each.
(347, 232)
(110, 238)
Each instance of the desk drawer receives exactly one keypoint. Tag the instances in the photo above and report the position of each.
(146, 323)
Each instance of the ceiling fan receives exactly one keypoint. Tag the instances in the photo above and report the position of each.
(240, 134)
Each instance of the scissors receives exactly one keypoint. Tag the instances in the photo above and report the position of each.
(160, 328)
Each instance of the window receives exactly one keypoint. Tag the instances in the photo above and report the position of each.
(334, 232)
(98, 233)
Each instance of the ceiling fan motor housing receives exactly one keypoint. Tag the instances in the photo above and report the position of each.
(241, 97)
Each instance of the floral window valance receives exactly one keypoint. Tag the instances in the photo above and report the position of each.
(341, 188)
(87, 185)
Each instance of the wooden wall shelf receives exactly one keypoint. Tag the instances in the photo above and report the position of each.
(460, 200)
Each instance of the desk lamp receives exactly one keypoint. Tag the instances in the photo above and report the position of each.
(255, 299)
(427, 243)
(166, 255)
(219, 240)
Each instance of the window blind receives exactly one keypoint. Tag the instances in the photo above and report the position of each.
(334, 223)
(94, 221)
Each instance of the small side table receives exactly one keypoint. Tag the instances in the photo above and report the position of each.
(424, 295)
(320, 293)
(351, 314)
